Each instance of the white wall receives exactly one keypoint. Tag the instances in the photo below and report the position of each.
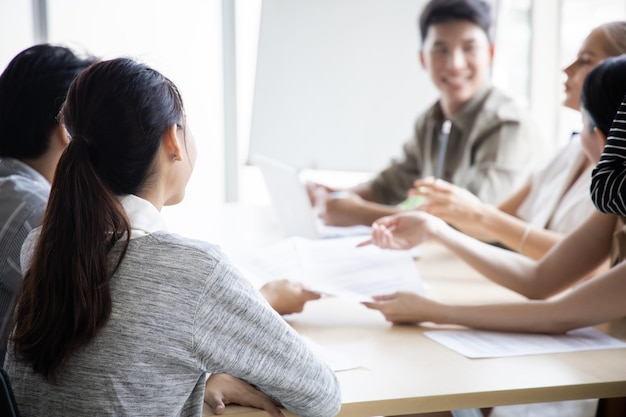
(338, 83)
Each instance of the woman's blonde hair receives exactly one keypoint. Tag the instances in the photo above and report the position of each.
(615, 35)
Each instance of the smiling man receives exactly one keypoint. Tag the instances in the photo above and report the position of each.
(474, 136)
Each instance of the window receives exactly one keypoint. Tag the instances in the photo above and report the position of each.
(16, 29)
(511, 69)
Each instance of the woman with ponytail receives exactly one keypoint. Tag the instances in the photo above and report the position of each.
(117, 316)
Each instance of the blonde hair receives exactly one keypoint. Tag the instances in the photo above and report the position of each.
(615, 35)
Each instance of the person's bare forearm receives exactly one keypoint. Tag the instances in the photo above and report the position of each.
(528, 316)
(370, 212)
(517, 234)
(594, 302)
(365, 191)
(506, 268)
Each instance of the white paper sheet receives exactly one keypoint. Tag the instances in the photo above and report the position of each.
(334, 232)
(486, 344)
(335, 267)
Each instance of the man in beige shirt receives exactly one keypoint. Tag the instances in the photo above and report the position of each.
(474, 136)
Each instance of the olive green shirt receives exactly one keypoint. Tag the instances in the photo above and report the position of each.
(491, 150)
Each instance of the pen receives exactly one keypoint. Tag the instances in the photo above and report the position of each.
(445, 133)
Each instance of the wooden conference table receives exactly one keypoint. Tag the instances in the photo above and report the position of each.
(404, 372)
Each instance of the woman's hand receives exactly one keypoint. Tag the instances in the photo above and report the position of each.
(287, 296)
(455, 205)
(404, 307)
(403, 230)
(223, 389)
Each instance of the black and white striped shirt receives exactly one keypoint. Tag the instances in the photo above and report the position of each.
(608, 183)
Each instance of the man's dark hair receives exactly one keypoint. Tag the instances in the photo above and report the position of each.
(32, 89)
(441, 11)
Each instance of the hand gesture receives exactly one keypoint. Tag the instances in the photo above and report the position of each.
(403, 230)
(223, 389)
(403, 307)
(287, 296)
(455, 205)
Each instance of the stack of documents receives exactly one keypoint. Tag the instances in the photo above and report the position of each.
(486, 344)
(335, 267)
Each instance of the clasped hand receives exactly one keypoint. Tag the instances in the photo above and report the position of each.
(224, 389)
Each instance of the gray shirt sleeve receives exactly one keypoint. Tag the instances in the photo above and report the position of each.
(12, 235)
(262, 349)
(181, 310)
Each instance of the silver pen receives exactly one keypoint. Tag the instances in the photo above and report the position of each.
(416, 200)
(443, 145)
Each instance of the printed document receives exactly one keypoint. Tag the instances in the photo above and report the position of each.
(488, 344)
(335, 267)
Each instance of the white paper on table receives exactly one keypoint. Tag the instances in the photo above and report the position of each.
(335, 267)
(276, 261)
(335, 360)
(334, 232)
(488, 344)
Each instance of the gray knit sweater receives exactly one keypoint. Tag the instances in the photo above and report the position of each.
(180, 311)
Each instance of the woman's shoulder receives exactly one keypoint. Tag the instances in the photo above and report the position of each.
(178, 240)
(182, 249)
(196, 263)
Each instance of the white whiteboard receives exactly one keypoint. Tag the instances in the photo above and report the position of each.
(338, 83)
